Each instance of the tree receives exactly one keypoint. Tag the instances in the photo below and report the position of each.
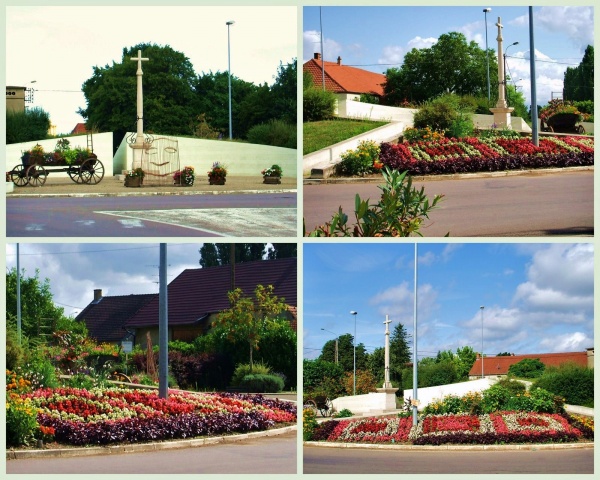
(516, 100)
(248, 319)
(527, 368)
(345, 353)
(38, 312)
(284, 93)
(32, 124)
(277, 348)
(399, 352)
(464, 359)
(216, 254)
(451, 65)
(323, 377)
(282, 250)
(579, 81)
(168, 97)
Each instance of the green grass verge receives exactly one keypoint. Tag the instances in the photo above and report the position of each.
(318, 135)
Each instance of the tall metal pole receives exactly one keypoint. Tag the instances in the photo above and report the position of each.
(229, 23)
(322, 57)
(415, 382)
(354, 342)
(163, 326)
(18, 297)
(534, 110)
(487, 57)
(481, 308)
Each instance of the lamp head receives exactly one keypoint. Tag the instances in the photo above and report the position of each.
(230, 22)
(487, 10)
(352, 312)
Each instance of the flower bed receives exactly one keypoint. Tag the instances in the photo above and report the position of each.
(448, 155)
(499, 427)
(103, 416)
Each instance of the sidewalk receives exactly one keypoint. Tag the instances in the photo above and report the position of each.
(58, 185)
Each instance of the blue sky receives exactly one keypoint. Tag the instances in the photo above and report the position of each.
(537, 298)
(377, 38)
(58, 46)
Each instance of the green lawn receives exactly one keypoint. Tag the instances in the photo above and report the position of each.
(321, 134)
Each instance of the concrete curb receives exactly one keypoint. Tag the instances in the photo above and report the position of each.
(456, 176)
(143, 447)
(429, 448)
(147, 194)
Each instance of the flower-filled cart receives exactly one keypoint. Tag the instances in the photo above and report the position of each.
(81, 164)
(561, 117)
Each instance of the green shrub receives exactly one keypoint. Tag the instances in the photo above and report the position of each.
(449, 113)
(31, 124)
(573, 382)
(527, 368)
(585, 106)
(344, 413)
(309, 424)
(461, 127)
(243, 369)
(276, 133)
(21, 422)
(40, 372)
(537, 400)
(495, 398)
(318, 104)
(513, 386)
(359, 161)
(183, 347)
(258, 383)
(14, 352)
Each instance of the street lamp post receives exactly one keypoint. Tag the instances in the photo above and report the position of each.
(354, 344)
(229, 23)
(481, 308)
(505, 90)
(487, 57)
(336, 344)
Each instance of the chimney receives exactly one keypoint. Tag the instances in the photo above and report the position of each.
(97, 294)
(317, 56)
(339, 60)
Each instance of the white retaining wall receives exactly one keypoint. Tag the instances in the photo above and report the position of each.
(369, 111)
(374, 402)
(330, 156)
(429, 394)
(245, 159)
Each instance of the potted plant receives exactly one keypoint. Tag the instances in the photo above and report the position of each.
(184, 177)
(217, 174)
(272, 174)
(135, 178)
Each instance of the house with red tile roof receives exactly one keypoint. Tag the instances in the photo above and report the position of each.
(498, 366)
(349, 82)
(195, 297)
(79, 129)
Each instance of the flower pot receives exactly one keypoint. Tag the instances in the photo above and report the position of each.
(216, 180)
(134, 181)
(274, 180)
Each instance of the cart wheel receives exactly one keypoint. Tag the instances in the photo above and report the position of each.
(91, 171)
(74, 174)
(580, 129)
(37, 175)
(327, 408)
(18, 177)
(312, 406)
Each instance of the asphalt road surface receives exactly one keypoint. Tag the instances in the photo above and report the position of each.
(353, 460)
(519, 206)
(261, 455)
(236, 215)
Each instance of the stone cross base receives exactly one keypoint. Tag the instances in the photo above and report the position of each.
(390, 397)
(502, 116)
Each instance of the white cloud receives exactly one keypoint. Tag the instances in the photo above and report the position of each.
(569, 342)
(311, 40)
(398, 301)
(392, 54)
(577, 23)
(420, 42)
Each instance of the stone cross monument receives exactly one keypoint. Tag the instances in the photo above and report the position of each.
(139, 140)
(386, 378)
(501, 111)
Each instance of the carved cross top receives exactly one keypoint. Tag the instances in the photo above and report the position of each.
(139, 59)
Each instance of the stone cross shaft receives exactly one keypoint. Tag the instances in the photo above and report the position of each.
(140, 98)
(501, 100)
(386, 380)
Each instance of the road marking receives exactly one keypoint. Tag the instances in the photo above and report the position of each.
(233, 222)
(34, 227)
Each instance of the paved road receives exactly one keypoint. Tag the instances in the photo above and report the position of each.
(525, 205)
(261, 455)
(236, 215)
(353, 460)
